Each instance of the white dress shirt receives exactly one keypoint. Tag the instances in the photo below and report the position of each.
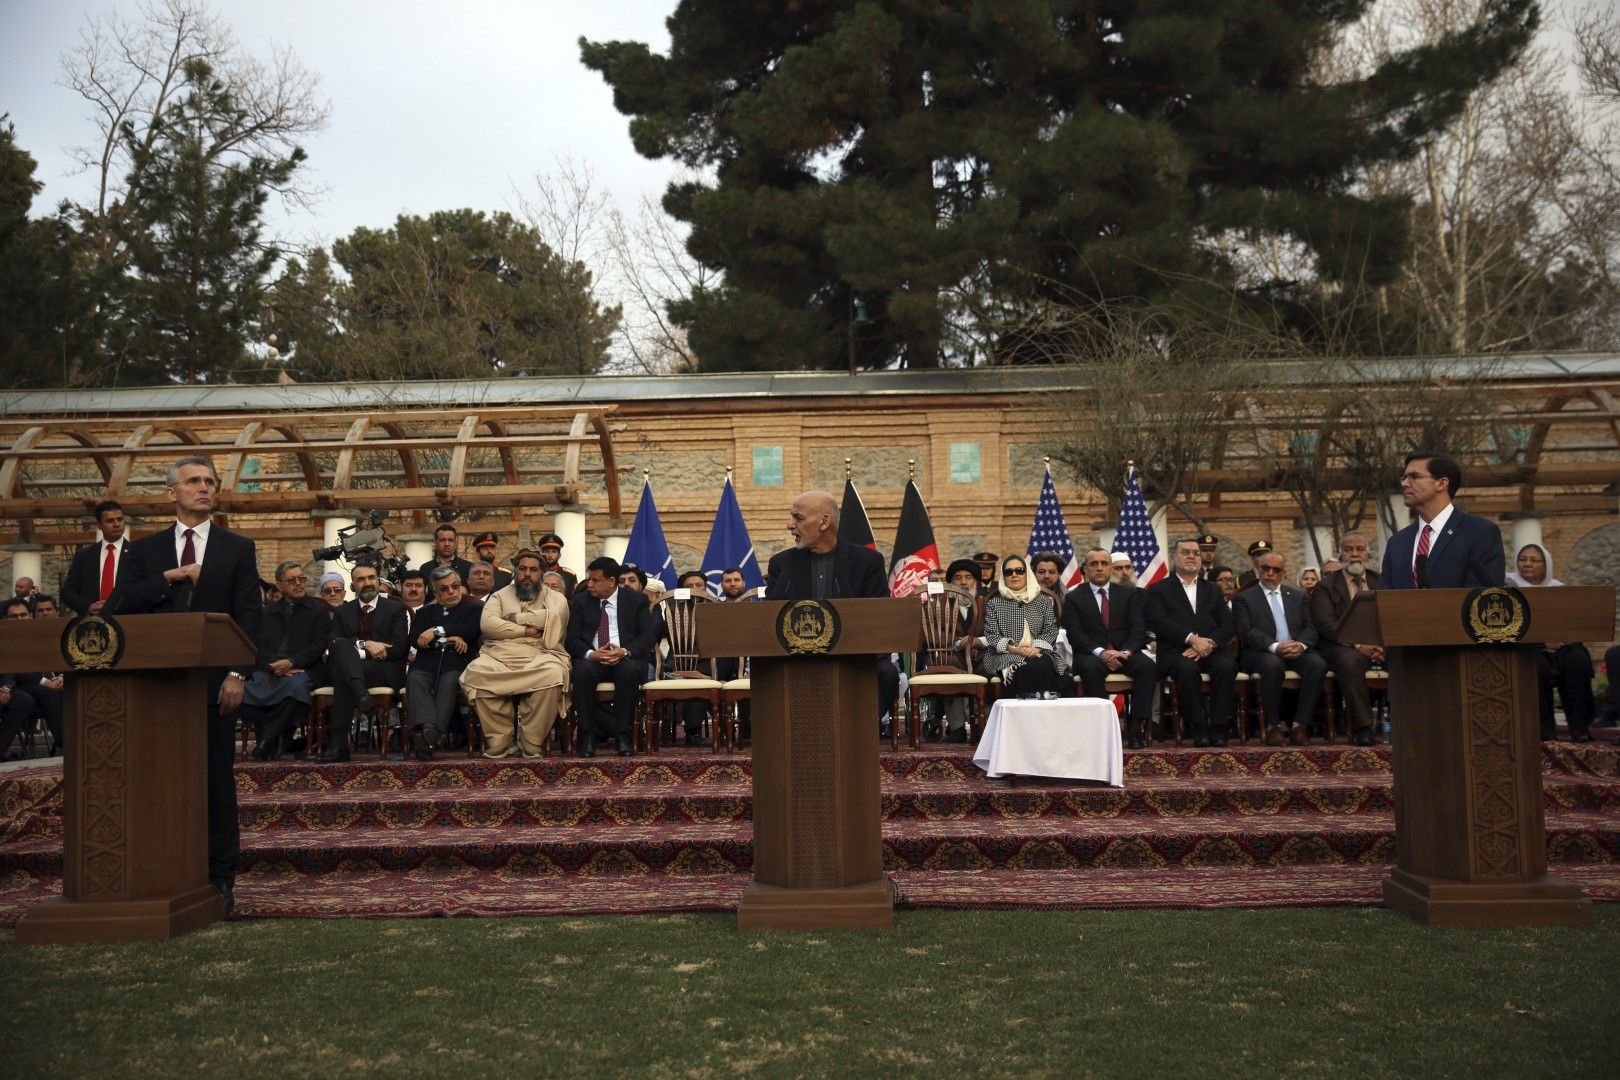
(1436, 527)
(199, 539)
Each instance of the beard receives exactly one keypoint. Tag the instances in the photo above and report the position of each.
(368, 594)
(1355, 569)
(527, 591)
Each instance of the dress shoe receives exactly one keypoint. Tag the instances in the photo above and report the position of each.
(333, 754)
(365, 706)
(1582, 736)
(1298, 735)
(1365, 737)
(264, 752)
(227, 892)
(1134, 743)
(957, 736)
(421, 747)
(587, 745)
(1217, 740)
(1201, 742)
(626, 747)
(696, 740)
(1275, 736)
(506, 751)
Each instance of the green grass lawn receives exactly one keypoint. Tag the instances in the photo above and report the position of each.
(1349, 992)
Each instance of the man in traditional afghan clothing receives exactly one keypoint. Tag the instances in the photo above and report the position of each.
(523, 657)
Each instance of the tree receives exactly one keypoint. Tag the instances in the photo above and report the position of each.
(871, 162)
(458, 294)
(191, 223)
(42, 292)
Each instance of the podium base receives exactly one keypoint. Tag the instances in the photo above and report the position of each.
(773, 907)
(70, 922)
(1544, 901)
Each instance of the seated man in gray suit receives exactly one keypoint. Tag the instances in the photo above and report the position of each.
(1274, 627)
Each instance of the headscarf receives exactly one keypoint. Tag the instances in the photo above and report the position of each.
(1547, 581)
(1031, 588)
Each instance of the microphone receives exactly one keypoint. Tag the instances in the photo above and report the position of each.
(1421, 569)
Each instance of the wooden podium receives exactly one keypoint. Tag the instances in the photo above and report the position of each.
(818, 829)
(1470, 833)
(134, 778)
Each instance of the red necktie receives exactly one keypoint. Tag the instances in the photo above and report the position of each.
(188, 553)
(602, 628)
(365, 621)
(1102, 604)
(107, 574)
(1422, 550)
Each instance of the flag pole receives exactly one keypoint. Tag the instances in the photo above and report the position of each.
(848, 472)
(911, 469)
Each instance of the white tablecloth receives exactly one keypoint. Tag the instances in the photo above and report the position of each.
(1076, 738)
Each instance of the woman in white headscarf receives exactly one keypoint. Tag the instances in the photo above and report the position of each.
(1564, 664)
(1020, 635)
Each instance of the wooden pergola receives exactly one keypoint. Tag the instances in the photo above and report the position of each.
(53, 471)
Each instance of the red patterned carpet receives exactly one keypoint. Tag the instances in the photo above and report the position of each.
(1241, 827)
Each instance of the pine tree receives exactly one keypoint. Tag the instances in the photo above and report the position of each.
(919, 160)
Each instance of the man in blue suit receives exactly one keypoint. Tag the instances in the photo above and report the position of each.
(1445, 548)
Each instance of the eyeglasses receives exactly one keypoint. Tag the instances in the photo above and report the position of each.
(294, 580)
(1011, 570)
(1271, 569)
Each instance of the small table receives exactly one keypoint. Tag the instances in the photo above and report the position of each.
(1073, 738)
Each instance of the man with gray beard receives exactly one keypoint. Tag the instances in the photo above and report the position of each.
(523, 658)
(1349, 661)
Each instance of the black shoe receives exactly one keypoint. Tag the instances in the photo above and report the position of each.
(1217, 740)
(696, 740)
(421, 747)
(957, 736)
(587, 745)
(1201, 742)
(332, 755)
(626, 746)
(1365, 737)
(1134, 743)
(227, 892)
(264, 752)
(1583, 736)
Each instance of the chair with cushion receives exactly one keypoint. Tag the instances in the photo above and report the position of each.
(685, 675)
(944, 668)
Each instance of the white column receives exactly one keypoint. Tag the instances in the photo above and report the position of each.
(614, 543)
(330, 524)
(568, 522)
(1161, 532)
(1397, 507)
(1526, 530)
(1324, 549)
(418, 552)
(28, 563)
(1105, 536)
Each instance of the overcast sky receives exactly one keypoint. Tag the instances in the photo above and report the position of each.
(434, 106)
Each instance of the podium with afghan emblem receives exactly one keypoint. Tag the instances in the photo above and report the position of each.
(818, 830)
(134, 772)
(1470, 832)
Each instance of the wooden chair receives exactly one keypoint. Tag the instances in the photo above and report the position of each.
(320, 717)
(735, 691)
(945, 669)
(686, 675)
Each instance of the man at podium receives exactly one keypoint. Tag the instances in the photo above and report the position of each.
(198, 566)
(1445, 548)
(819, 566)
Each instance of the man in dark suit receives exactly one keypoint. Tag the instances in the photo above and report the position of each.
(1107, 627)
(1445, 548)
(294, 634)
(444, 637)
(368, 649)
(1275, 629)
(821, 567)
(611, 636)
(1349, 661)
(1192, 624)
(98, 568)
(199, 566)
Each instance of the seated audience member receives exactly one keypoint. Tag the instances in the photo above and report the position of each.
(44, 687)
(1020, 635)
(522, 655)
(1226, 581)
(733, 585)
(1564, 664)
(1274, 627)
(445, 638)
(294, 634)
(368, 649)
(1192, 624)
(611, 636)
(554, 581)
(1048, 570)
(1309, 578)
(16, 703)
(97, 568)
(937, 574)
(1348, 660)
(332, 590)
(631, 577)
(1330, 566)
(480, 581)
(963, 574)
(45, 606)
(1121, 568)
(24, 587)
(268, 593)
(1107, 627)
(484, 545)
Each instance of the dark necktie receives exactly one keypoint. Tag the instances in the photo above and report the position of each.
(188, 553)
(1102, 605)
(365, 622)
(107, 567)
(1422, 551)
(602, 628)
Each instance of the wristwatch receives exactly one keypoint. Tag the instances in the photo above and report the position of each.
(237, 675)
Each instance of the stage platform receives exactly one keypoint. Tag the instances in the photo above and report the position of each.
(1244, 826)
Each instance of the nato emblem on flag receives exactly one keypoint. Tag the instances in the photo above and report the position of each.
(647, 547)
(729, 544)
(1050, 533)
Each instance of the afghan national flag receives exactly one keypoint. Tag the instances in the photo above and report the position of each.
(854, 527)
(915, 553)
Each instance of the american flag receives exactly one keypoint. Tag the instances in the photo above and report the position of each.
(1051, 533)
(1135, 535)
